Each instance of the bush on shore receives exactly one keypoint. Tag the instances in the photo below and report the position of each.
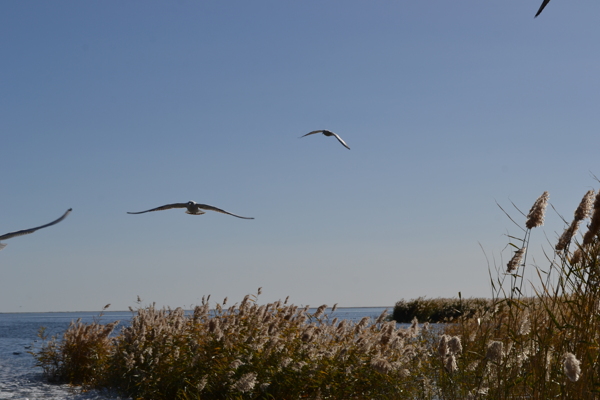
(440, 309)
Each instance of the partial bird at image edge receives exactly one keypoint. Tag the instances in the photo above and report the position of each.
(544, 4)
(28, 231)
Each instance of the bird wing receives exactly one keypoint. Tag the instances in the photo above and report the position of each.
(165, 207)
(310, 133)
(207, 207)
(542, 7)
(340, 140)
(28, 231)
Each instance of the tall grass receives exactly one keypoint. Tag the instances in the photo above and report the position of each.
(511, 347)
(542, 347)
(246, 351)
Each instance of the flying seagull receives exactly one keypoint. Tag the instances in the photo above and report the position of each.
(193, 208)
(542, 7)
(328, 133)
(28, 231)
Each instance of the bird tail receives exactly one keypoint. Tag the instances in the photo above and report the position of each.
(2, 245)
(199, 212)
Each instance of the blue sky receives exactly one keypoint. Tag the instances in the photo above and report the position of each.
(448, 107)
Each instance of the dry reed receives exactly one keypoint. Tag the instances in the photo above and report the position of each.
(535, 217)
(509, 347)
(250, 351)
(547, 346)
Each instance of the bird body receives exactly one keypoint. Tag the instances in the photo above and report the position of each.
(28, 231)
(192, 207)
(544, 4)
(328, 133)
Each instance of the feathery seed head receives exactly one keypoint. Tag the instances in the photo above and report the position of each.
(451, 363)
(525, 326)
(308, 333)
(341, 328)
(414, 327)
(567, 236)
(404, 373)
(320, 311)
(515, 261)
(443, 346)
(246, 382)
(214, 324)
(298, 366)
(585, 207)
(364, 321)
(454, 345)
(594, 225)
(202, 384)
(235, 364)
(382, 365)
(381, 317)
(385, 338)
(285, 362)
(571, 367)
(577, 256)
(397, 343)
(535, 217)
(244, 301)
(495, 351)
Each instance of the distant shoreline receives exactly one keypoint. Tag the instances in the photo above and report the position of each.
(121, 311)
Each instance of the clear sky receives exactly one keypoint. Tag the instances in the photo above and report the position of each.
(448, 107)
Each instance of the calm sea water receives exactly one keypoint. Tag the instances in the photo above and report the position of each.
(20, 379)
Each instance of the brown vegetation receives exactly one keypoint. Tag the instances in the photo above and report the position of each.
(509, 347)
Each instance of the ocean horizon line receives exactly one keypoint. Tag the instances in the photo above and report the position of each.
(121, 311)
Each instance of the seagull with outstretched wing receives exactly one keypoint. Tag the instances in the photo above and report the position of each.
(28, 231)
(193, 208)
(544, 4)
(328, 133)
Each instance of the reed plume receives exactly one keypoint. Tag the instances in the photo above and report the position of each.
(567, 236)
(571, 367)
(246, 382)
(594, 226)
(515, 261)
(454, 345)
(443, 346)
(585, 207)
(583, 211)
(495, 351)
(535, 217)
(451, 365)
